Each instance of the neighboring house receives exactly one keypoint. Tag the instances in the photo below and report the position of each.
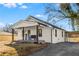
(35, 29)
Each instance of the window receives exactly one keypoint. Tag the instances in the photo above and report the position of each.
(55, 33)
(29, 32)
(62, 33)
(40, 32)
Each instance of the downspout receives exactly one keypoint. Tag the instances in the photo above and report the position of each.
(51, 35)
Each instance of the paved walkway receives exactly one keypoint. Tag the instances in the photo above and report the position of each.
(60, 49)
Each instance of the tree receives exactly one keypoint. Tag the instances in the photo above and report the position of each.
(7, 28)
(64, 10)
(72, 14)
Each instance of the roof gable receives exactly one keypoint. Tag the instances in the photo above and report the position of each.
(23, 23)
(34, 19)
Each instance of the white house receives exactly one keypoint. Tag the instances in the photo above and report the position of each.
(35, 29)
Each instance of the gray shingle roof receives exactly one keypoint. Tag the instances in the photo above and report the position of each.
(38, 20)
(46, 22)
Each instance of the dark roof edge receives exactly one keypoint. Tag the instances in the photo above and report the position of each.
(73, 31)
(46, 22)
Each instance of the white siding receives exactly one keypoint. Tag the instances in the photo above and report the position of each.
(19, 36)
(46, 34)
(59, 37)
(32, 29)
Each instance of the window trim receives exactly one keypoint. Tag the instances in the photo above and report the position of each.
(62, 33)
(55, 32)
(40, 33)
(29, 31)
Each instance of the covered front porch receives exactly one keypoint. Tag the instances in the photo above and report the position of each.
(26, 31)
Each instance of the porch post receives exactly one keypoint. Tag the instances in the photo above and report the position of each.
(12, 35)
(51, 35)
(23, 33)
(37, 33)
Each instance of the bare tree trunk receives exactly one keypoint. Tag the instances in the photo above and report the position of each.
(77, 24)
(73, 24)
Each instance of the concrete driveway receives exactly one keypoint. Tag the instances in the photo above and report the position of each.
(59, 49)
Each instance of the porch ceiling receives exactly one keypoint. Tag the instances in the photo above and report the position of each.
(24, 24)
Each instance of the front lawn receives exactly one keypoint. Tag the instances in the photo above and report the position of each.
(20, 49)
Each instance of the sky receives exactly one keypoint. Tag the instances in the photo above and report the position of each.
(10, 13)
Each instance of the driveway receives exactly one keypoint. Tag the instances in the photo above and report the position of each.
(59, 49)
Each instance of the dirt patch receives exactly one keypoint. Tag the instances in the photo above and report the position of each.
(20, 49)
(26, 49)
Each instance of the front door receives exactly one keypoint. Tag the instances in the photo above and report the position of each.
(25, 36)
(29, 35)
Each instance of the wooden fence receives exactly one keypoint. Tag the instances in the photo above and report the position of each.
(73, 37)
